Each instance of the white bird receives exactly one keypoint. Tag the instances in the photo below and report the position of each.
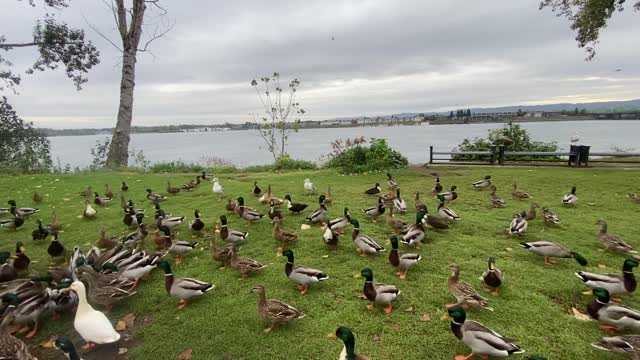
(308, 187)
(570, 198)
(217, 188)
(575, 138)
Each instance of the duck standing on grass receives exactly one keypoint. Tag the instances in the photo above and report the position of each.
(550, 249)
(301, 275)
(101, 201)
(492, 278)
(391, 182)
(183, 288)
(247, 214)
(23, 212)
(217, 188)
(375, 211)
(570, 198)
(309, 188)
(40, 233)
(612, 242)
(612, 317)
(449, 196)
(124, 186)
(89, 212)
(437, 187)
(154, 196)
(378, 293)
(399, 203)
(228, 235)
(516, 194)
(365, 244)
(447, 213)
(295, 208)
(196, 225)
(628, 345)
(519, 224)
(256, 189)
(318, 215)
(283, 237)
(495, 199)
(464, 293)
(416, 232)
(275, 311)
(402, 262)
(375, 190)
(482, 184)
(614, 283)
(348, 351)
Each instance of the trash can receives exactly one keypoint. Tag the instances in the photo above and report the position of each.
(584, 155)
(574, 155)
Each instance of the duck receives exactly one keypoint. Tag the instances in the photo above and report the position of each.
(519, 194)
(87, 192)
(531, 214)
(161, 236)
(482, 184)
(330, 238)
(301, 275)
(266, 198)
(107, 192)
(549, 216)
(247, 213)
(394, 223)
(230, 236)
(451, 195)
(12, 223)
(135, 239)
(40, 233)
(309, 188)
(275, 311)
(137, 266)
(570, 198)
(56, 249)
(92, 325)
(273, 212)
(482, 340)
(217, 188)
(365, 244)
(318, 215)
(550, 249)
(89, 212)
(244, 265)
(256, 189)
(519, 224)
(220, 253)
(7, 272)
(492, 277)
(105, 294)
(378, 293)
(495, 199)
(54, 224)
(180, 248)
(464, 293)
(399, 203)
(348, 351)
(196, 225)
(36, 197)
(614, 283)
(27, 306)
(184, 289)
(375, 190)
(328, 199)
(4, 211)
(389, 197)
(171, 221)
(415, 234)
(437, 187)
(123, 202)
(191, 184)
(392, 184)
(283, 237)
(23, 212)
(295, 208)
(205, 176)
(628, 345)
(401, 261)
(419, 205)
(21, 262)
(124, 187)
(172, 189)
(434, 221)
(375, 211)
(612, 316)
(634, 197)
(446, 212)
(101, 201)
(339, 224)
(105, 242)
(230, 206)
(154, 197)
(13, 348)
(612, 242)
(65, 345)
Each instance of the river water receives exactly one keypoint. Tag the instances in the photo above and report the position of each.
(245, 148)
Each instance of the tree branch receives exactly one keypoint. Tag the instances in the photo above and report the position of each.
(156, 36)
(101, 34)
(122, 19)
(8, 46)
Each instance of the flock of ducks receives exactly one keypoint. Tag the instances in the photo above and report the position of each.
(111, 270)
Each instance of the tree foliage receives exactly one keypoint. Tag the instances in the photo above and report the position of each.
(587, 18)
(353, 156)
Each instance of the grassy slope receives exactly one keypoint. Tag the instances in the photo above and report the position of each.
(533, 306)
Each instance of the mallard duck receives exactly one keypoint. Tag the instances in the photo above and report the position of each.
(340, 223)
(171, 221)
(21, 261)
(283, 237)
(434, 221)
(446, 212)
(22, 212)
(181, 249)
(92, 325)
(519, 194)
(54, 224)
(27, 307)
(56, 249)
(13, 348)
(7, 272)
(614, 283)
(273, 212)
(89, 212)
(4, 211)
(162, 237)
(330, 237)
(389, 198)
(230, 206)
(328, 199)
(275, 311)
(348, 351)
(244, 265)
(628, 345)
(256, 189)
(172, 189)
(191, 184)
(135, 240)
(101, 201)
(365, 244)
(217, 188)
(482, 184)
(318, 215)
(37, 198)
(107, 191)
(40, 233)
(396, 224)
(399, 203)
(419, 205)
(392, 184)
(437, 187)
(184, 289)
(550, 249)
(634, 197)
(612, 317)
(378, 293)
(302, 276)
(375, 190)
(531, 214)
(266, 198)
(12, 223)
(107, 295)
(205, 176)
(464, 293)
(137, 266)
(87, 192)
(375, 211)
(482, 340)
(124, 186)
(549, 216)
(123, 202)
(402, 262)
(519, 224)
(492, 277)
(570, 198)
(246, 213)
(231, 236)
(451, 195)
(495, 199)
(612, 242)
(295, 208)
(196, 225)
(414, 235)
(309, 188)
(153, 196)
(65, 345)
(220, 253)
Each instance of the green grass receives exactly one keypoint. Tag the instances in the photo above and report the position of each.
(533, 306)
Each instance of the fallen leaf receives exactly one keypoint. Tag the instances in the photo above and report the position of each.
(602, 266)
(66, 199)
(325, 256)
(122, 351)
(129, 319)
(425, 317)
(409, 309)
(580, 316)
(591, 204)
(376, 338)
(508, 249)
(305, 227)
(185, 355)
(49, 343)
(121, 325)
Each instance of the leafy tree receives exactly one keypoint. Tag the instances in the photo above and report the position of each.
(576, 111)
(451, 115)
(468, 113)
(520, 113)
(353, 156)
(587, 17)
(281, 117)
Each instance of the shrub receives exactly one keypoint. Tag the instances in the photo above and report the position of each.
(519, 139)
(352, 156)
(178, 166)
(285, 162)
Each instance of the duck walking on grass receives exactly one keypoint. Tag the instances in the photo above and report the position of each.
(614, 283)
(416, 232)
(196, 225)
(348, 350)
(437, 187)
(302, 276)
(464, 293)
(516, 194)
(612, 317)
(495, 199)
(231, 236)
(244, 265)
(375, 211)
(378, 293)
(247, 214)
(318, 215)
(449, 196)
(550, 249)
(570, 198)
(295, 208)
(628, 345)
(612, 242)
(402, 261)
(275, 311)
(89, 212)
(309, 188)
(447, 213)
(519, 224)
(40, 233)
(183, 289)
(365, 244)
(256, 189)
(392, 184)
(492, 278)
(23, 212)
(217, 188)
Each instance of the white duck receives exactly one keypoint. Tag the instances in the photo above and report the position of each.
(570, 198)
(308, 187)
(217, 188)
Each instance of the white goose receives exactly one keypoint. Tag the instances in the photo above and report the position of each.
(217, 188)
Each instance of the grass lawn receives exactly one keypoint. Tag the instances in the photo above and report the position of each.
(534, 304)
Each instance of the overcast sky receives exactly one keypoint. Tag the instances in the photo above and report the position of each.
(360, 57)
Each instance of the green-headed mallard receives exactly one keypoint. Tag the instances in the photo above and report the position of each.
(101, 201)
(301, 275)
(21, 261)
(7, 272)
(183, 288)
(163, 219)
(256, 189)
(482, 340)
(340, 223)
(65, 345)
(437, 187)
(172, 189)
(464, 293)
(124, 186)
(550, 249)
(492, 277)
(206, 177)
(318, 215)
(399, 203)
(519, 224)
(612, 316)
(628, 345)
(56, 249)
(244, 265)
(378, 293)
(273, 212)
(375, 211)
(36, 197)
(570, 198)
(415, 233)
(402, 262)
(221, 253)
(549, 216)
(330, 237)
(153, 196)
(495, 199)
(13, 223)
(247, 213)
(29, 304)
(295, 208)
(92, 325)
(89, 212)
(348, 351)
(614, 283)
(309, 188)
(275, 311)
(375, 190)
(196, 225)
(449, 196)
(283, 237)
(516, 194)
(365, 244)
(612, 242)
(392, 184)
(40, 233)
(228, 235)
(23, 212)
(482, 184)
(446, 212)
(217, 188)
